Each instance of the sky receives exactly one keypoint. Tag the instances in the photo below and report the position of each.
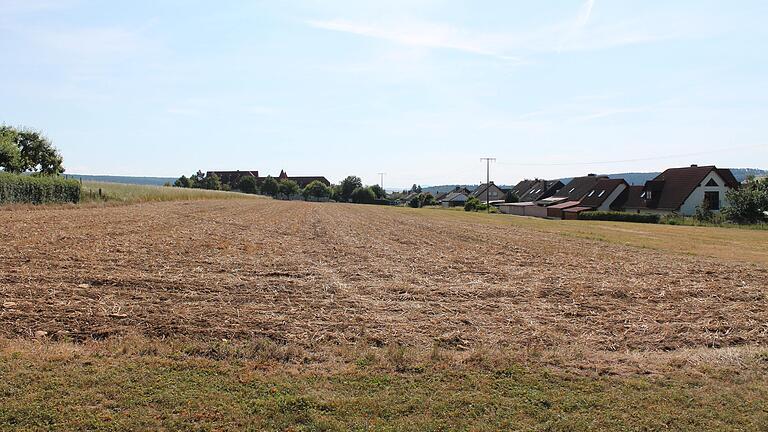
(417, 89)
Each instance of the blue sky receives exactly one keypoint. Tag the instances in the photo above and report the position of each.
(419, 89)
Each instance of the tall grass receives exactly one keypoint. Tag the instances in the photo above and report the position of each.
(95, 192)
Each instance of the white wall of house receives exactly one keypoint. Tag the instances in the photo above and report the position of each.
(606, 205)
(697, 196)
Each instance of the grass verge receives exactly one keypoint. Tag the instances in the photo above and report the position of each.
(724, 243)
(125, 193)
(60, 386)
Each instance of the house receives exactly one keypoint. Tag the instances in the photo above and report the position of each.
(454, 199)
(490, 192)
(522, 187)
(541, 189)
(606, 195)
(457, 197)
(579, 187)
(682, 190)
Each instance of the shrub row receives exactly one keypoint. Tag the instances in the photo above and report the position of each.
(16, 188)
(619, 216)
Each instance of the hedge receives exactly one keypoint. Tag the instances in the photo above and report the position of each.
(29, 189)
(620, 216)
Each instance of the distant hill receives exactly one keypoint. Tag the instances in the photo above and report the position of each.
(152, 181)
(632, 178)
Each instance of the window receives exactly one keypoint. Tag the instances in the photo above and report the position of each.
(572, 189)
(712, 182)
(601, 193)
(648, 195)
(642, 195)
(591, 193)
(712, 199)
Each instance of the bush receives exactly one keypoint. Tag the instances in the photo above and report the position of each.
(16, 188)
(379, 191)
(247, 184)
(363, 195)
(620, 216)
(704, 212)
(347, 187)
(288, 188)
(270, 186)
(472, 204)
(748, 204)
(316, 190)
(210, 182)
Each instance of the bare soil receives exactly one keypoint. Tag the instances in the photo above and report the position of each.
(315, 274)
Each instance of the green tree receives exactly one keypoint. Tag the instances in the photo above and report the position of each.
(248, 185)
(289, 188)
(363, 195)
(212, 182)
(347, 186)
(379, 192)
(36, 152)
(197, 180)
(511, 197)
(10, 156)
(428, 199)
(269, 186)
(748, 203)
(416, 188)
(182, 182)
(316, 190)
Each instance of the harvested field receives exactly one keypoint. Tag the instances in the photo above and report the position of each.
(319, 274)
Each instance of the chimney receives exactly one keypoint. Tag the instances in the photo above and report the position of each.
(591, 175)
(693, 165)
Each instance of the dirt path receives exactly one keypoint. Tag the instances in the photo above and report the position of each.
(329, 273)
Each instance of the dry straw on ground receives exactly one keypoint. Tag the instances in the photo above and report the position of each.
(319, 275)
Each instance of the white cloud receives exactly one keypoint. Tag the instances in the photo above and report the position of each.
(426, 35)
(581, 33)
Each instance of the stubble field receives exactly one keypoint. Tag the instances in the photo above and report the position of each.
(334, 289)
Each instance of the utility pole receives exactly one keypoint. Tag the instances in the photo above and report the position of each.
(382, 180)
(488, 161)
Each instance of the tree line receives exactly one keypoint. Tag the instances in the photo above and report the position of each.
(351, 189)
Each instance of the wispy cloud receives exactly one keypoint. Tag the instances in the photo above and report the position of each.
(579, 33)
(426, 35)
(579, 24)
